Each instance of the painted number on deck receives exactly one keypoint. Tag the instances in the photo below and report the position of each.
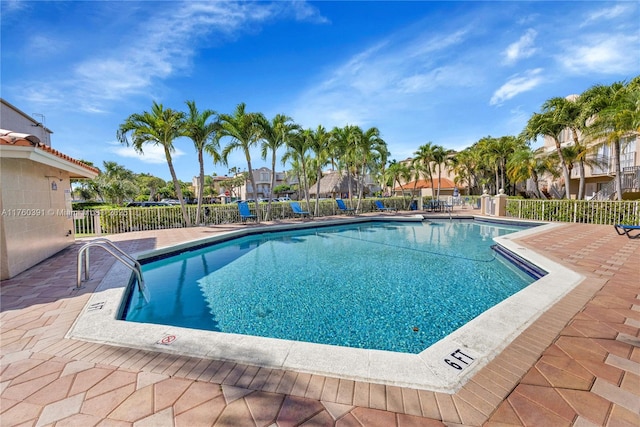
(458, 360)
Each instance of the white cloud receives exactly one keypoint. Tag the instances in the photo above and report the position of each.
(603, 54)
(608, 13)
(163, 45)
(444, 76)
(44, 46)
(153, 154)
(13, 6)
(517, 84)
(523, 48)
(390, 76)
(303, 11)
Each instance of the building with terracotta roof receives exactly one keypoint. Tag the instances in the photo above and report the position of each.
(35, 202)
(422, 187)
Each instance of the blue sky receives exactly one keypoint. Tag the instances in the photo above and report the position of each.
(420, 71)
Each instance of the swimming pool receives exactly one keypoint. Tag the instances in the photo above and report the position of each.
(433, 369)
(395, 286)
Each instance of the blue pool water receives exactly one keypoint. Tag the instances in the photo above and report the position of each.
(398, 286)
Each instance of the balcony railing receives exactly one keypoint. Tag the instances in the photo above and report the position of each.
(631, 178)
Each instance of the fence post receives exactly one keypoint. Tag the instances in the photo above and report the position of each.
(484, 202)
(500, 204)
(96, 222)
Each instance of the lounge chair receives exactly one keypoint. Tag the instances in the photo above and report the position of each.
(295, 207)
(382, 208)
(245, 214)
(342, 207)
(623, 229)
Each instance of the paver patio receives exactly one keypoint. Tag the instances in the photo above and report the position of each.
(578, 364)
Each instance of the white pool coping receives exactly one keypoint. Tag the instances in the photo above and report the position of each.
(443, 367)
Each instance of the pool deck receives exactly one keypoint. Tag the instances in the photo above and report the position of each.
(577, 364)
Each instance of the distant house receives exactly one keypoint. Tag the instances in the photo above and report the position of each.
(35, 200)
(423, 188)
(262, 177)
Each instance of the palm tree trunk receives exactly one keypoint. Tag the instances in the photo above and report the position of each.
(534, 177)
(299, 184)
(255, 189)
(350, 186)
(413, 193)
(273, 183)
(433, 184)
(176, 185)
(565, 169)
(401, 191)
(361, 185)
(200, 185)
(616, 165)
(318, 177)
(306, 184)
(582, 180)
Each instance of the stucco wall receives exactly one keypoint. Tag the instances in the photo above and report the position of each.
(35, 220)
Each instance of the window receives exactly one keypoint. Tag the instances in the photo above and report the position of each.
(602, 161)
(628, 155)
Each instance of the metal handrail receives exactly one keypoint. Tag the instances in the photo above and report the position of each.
(100, 242)
(111, 244)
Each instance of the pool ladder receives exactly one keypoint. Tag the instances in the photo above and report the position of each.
(119, 254)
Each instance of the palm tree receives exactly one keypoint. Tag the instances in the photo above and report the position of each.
(203, 133)
(396, 172)
(615, 113)
(116, 183)
(369, 149)
(274, 135)
(440, 156)
(465, 164)
(296, 153)
(526, 164)
(500, 150)
(556, 116)
(158, 127)
(342, 152)
(422, 163)
(319, 144)
(244, 130)
(574, 110)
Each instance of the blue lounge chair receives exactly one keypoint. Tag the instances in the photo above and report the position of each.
(382, 208)
(342, 207)
(295, 207)
(245, 214)
(623, 229)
